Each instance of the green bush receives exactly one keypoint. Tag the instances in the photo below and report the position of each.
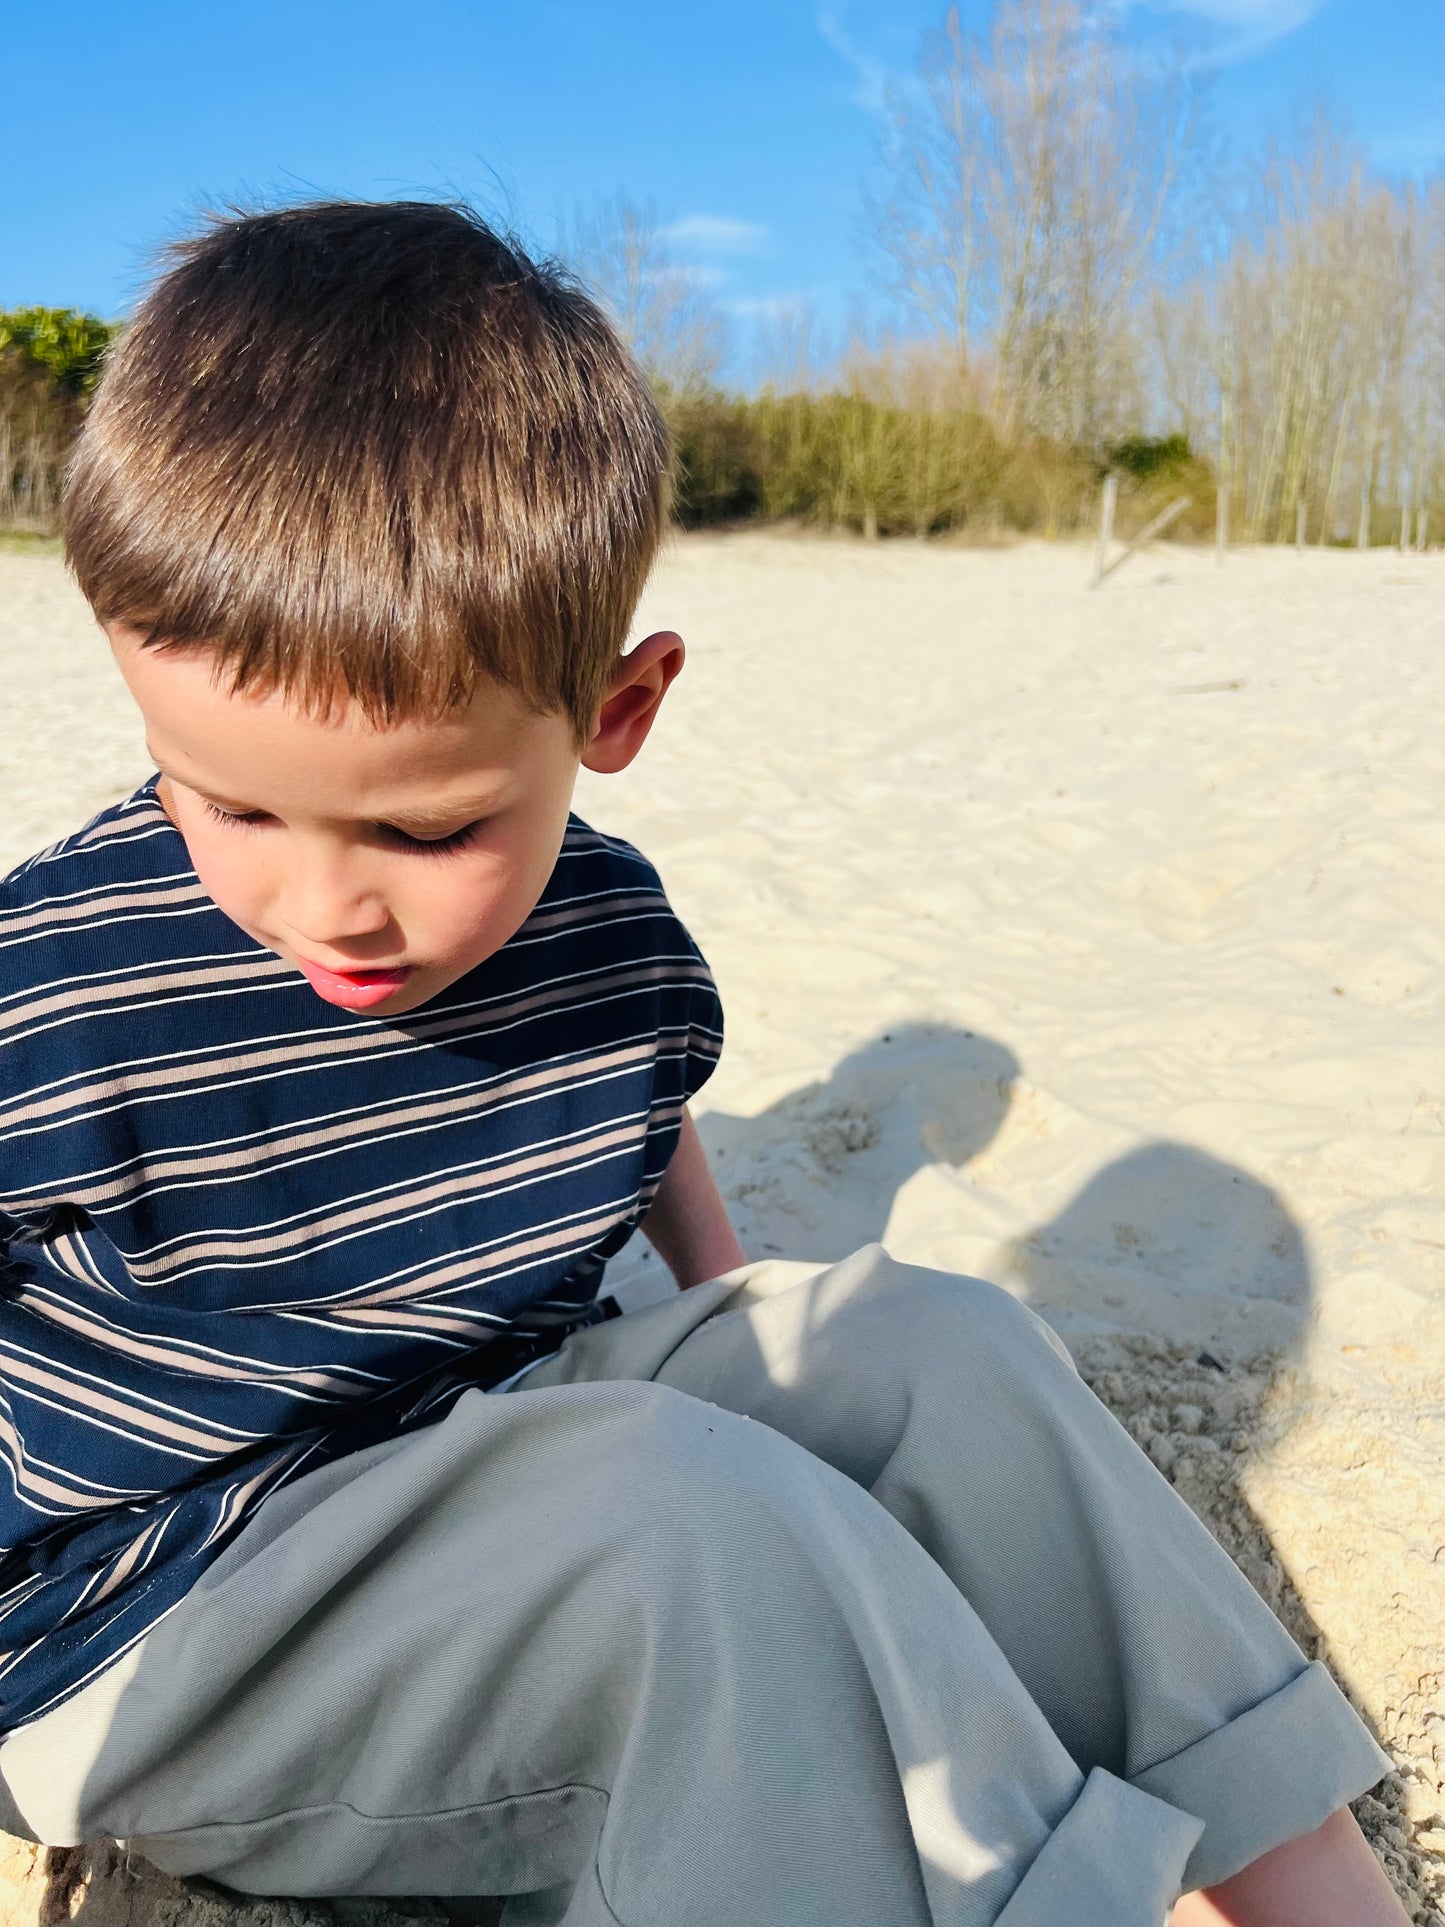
(1147, 458)
(50, 361)
(894, 447)
(717, 455)
(1154, 471)
(837, 459)
(67, 344)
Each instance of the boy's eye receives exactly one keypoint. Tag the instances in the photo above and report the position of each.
(238, 819)
(388, 832)
(431, 845)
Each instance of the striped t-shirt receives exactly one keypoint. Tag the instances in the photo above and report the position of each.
(244, 1232)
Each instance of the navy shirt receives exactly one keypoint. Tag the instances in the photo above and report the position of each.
(244, 1232)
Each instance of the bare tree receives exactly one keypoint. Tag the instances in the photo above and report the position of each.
(1310, 360)
(928, 218)
(620, 248)
(1027, 179)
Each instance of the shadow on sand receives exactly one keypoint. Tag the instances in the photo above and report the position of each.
(1165, 1238)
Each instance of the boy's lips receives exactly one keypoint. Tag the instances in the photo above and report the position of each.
(355, 989)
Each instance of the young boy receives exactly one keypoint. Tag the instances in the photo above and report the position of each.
(337, 1061)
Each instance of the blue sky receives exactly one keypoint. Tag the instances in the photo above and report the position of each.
(751, 124)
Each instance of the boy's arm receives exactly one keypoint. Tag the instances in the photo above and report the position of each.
(687, 1222)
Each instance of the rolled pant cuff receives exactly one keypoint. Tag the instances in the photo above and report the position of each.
(1114, 1860)
(1274, 1773)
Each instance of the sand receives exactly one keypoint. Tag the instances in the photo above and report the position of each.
(1089, 941)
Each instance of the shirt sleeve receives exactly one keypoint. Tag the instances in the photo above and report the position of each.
(675, 997)
(704, 1029)
(688, 1009)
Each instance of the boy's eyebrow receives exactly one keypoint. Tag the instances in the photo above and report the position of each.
(207, 795)
(210, 796)
(467, 811)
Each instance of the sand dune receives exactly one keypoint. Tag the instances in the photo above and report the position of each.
(1094, 942)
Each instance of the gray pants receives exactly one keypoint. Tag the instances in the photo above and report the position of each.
(806, 1599)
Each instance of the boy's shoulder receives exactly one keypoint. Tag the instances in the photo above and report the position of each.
(591, 855)
(604, 908)
(117, 897)
(103, 928)
(130, 845)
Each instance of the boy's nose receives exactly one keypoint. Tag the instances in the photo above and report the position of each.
(322, 904)
(317, 928)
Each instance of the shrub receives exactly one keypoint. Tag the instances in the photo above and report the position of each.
(68, 344)
(50, 361)
(1147, 457)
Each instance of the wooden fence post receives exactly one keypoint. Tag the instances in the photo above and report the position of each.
(1106, 528)
(1145, 536)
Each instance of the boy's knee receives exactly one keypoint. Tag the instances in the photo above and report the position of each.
(956, 1322)
(994, 1318)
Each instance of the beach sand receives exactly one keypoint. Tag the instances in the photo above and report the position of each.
(1090, 941)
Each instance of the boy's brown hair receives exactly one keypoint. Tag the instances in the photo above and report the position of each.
(373, 448)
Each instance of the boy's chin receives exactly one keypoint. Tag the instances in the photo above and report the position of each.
(420, 989)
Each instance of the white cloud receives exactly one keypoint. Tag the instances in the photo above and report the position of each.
(1246, 26)
(873, 78)
(715, 234)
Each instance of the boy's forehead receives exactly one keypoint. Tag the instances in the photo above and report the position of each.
(257, 749)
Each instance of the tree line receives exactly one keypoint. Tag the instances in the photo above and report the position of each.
(1079, 287)
(1083, 285)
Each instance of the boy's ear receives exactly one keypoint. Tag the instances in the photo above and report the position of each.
(632, 702)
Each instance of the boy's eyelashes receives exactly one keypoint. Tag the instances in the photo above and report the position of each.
(399, 839)
(432, 845)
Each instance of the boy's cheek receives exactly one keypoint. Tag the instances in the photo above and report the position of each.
(456, 914)
(455, 923)
(234, 885)
(241, 874)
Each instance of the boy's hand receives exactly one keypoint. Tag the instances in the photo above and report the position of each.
(687, 1224)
